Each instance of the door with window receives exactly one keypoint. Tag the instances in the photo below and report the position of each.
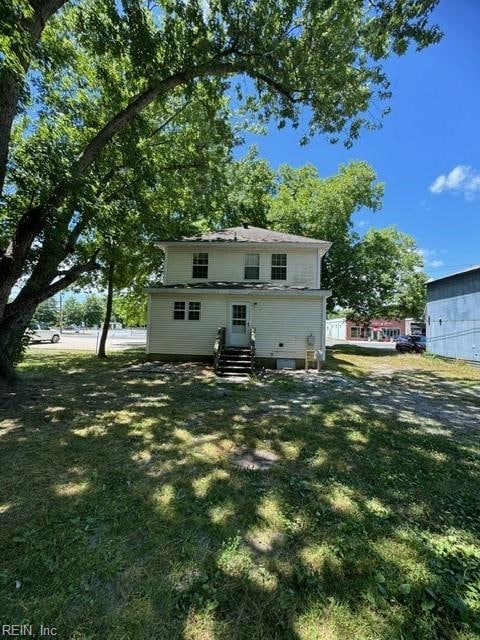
(238, 330)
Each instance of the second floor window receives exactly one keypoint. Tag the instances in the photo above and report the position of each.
(279, 266)
(200, 265)
(252, 266)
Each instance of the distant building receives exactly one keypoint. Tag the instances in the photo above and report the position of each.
(379, 329)
(453, 315)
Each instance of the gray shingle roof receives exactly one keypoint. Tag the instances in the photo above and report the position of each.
(247, 234)
(256, 286)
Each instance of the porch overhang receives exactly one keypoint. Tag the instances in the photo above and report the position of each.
(241, 292)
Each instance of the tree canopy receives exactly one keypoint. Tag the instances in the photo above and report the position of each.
(390, 278)
(322, 208)
(90, 90)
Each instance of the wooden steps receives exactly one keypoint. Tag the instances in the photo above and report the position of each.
(236, 361)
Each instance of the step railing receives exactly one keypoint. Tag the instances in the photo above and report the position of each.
(253, 338)
(218, 346)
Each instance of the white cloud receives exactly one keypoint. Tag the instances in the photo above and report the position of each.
(461, 179)
(429, 259)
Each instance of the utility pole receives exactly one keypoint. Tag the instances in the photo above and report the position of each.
(61, 313)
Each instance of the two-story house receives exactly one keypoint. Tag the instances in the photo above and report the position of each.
(236, 293)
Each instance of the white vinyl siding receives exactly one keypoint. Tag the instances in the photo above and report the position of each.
(282, 324)
(227, 264)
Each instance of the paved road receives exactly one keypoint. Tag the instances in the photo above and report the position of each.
(361, 343)
(117, 340)
(127, 339)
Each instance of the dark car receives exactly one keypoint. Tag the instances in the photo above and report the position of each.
(411, 344)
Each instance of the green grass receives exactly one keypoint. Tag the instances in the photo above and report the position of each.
(121, 516)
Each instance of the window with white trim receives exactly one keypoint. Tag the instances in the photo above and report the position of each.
(186, 310)
(200, 265)
(179, 310)
(279, 266)
(252, 266)
(194, 310)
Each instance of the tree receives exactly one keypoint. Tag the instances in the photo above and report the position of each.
(48, 313)
(390, 282)
(93, 310)
(99, 67)
(72, 312)
(315, 207)
(247, 191)
(131, 309)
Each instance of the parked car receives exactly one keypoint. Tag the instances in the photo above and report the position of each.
(72, 327)
(411, 344)
(41, 332)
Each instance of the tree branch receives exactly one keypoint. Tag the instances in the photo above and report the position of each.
(10, 82)
(68, 277)
(33, 220)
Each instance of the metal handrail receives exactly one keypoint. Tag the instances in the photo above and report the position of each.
(253, 338)
(218, 346)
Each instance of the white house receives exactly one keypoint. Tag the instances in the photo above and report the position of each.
(238, 294)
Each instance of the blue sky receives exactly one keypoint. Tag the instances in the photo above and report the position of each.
(431, 139)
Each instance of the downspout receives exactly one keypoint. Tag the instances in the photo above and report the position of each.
(324, 327)
(149, 323)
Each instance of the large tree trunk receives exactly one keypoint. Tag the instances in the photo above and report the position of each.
(12, 330)
(19, 313)
(108, 313)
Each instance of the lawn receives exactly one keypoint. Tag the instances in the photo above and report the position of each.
(123, 517)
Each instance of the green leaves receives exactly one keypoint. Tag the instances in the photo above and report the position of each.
(405, 588)
(392, 283)
(129, 132)
(316, 207)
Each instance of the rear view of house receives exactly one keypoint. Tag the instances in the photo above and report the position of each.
(453, 315)
(244, 290)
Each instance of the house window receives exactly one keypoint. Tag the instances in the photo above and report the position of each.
(200, 265)
(179, 310)
(194, 310)
(252, 266)
(279, 266)
(186, 310)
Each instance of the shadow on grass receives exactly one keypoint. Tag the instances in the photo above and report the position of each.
(122, 516)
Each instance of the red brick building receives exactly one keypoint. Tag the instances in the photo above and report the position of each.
(378, 329)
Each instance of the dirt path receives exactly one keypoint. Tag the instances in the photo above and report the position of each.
(415, 396)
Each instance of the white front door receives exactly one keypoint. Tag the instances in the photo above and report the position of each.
(238, 330)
